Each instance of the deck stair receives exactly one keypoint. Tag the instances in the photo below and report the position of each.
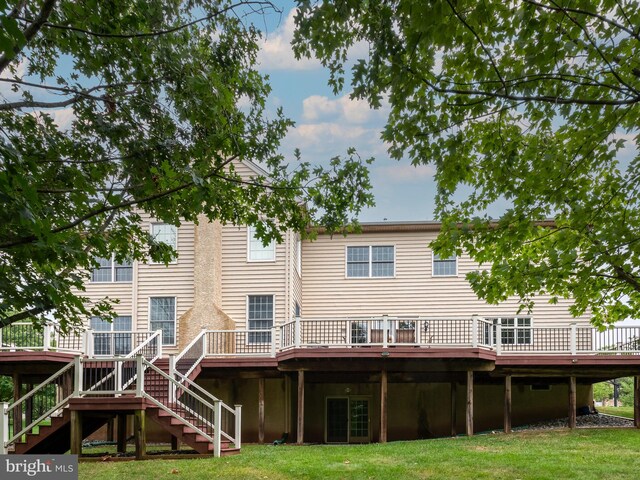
(170, 397)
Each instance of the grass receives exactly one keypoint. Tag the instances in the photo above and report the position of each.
(619, 411)
(559, 454)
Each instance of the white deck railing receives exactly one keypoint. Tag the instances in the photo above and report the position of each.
(431, 332)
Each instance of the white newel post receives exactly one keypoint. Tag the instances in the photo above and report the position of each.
(77, 376)
(172, 374)
(217, 425)
(159, 333)
(499, 338)
(273, 342)
(574, 339)
(46, 337)
(474, 330)
(203, 333)
(87, 342)
(296, 333)
(139, 376)
(238, 441)
(385, 331)
(4, 427)
(118, 379)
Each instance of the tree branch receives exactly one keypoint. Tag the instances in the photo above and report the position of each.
(30, 32)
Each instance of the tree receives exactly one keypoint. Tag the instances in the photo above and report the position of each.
(602, 391)
(161, 98)
(527, 103)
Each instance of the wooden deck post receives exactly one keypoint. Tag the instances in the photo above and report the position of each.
(139, 432)
(469, 403)
(507, 404)
(383, 406)
(454, 416)
(636, 401)
(122, 433)
(572, 402)
(175, 443)
(300, 427)
(28, 408)
(75, 446)
(261, 410)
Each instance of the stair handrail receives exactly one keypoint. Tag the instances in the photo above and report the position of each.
(192, 345)
(212, 398)
(18, 403)
(215, 438)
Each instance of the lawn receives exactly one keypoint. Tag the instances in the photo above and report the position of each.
(619, 411)
(560, 454)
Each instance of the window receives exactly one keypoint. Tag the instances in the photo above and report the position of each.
(109, 270)
(111, 344)
(297, 311)
(165, 233)
(256, 251)
(260, 317)
(162, 316)
(371, 261)
(515, 331)
(445, 267)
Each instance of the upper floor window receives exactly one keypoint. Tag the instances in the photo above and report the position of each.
(109, 270)
(371, 261)
(165, 233)
(256, 250)
(445, 267)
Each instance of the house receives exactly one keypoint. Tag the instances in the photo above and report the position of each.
(366, 338)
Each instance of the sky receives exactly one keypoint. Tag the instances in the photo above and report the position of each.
(326, 125)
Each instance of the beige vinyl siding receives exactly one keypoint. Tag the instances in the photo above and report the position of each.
(241, 278)
(328, 293)
(122, 291)
(173, 280)
(296, 279)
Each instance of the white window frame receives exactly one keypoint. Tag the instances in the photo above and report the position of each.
(175, 245)
(250, 239)
(370, 272)
(175, 318)
(515, 329)
(112, 264)
(112, 340)
(273, 317)
(433, 264)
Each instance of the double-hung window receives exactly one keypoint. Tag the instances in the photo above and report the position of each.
(111, 343)
(260, 316)
(445, 266)
(162, 316)
(515, 330)
(165, 233)
(371, 261)
(109, 270)
(256, 250)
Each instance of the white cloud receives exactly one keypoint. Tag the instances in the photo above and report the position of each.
(276, 53)
(345, 109)
(406, 173)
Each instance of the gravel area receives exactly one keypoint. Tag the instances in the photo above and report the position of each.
(584, 421)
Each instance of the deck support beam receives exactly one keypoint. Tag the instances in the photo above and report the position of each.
(572, 402)
(261, 410)
(75, 446)
(122, 433)
(140, 435)
(17, 393)
(507, 404)
(383, 406)
(175, 443)
(469, 429)
(454, 408)
(636, 401)
(300, 426)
